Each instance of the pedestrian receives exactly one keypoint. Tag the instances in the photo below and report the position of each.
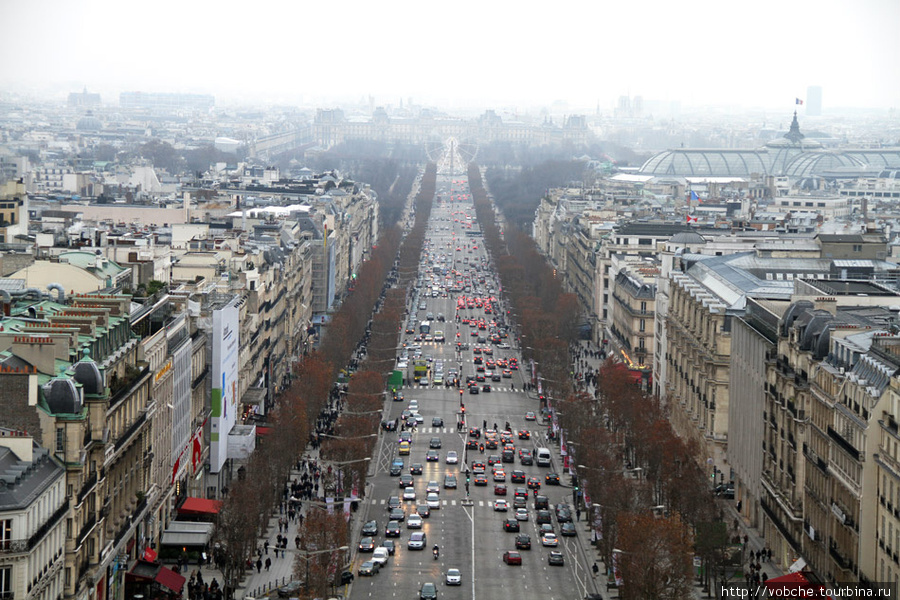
(595, 569)
(268, 563)
(259, 565)
(297, 542)
(577, 514)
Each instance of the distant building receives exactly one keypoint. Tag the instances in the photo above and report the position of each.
(163, 101)
(83, 99)
(814, 101)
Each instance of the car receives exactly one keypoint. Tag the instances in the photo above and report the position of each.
(551, 479)
(419, 418)
(345, 579)
(415, 469)
(367, 544)
(564, 515)
(369, 529)
(472, 444)
(413, 406)
(391, 547)
(290, 589)
(428, 591)
(432, 456)
(433, 501)
(524, 434)
(480, 479)
(368, 568)
(380, 555)
(500, 489)
(405, 481)
(473, 390)
(495, 377)
(545, 528)
(501, 505)
(543, 516)
(392, 529)
(486, 388)
(521, 492)
(725, 490)
(417, 540)
(474, 432)
(530, 416)
(534, 483)
(422, 510)
(397, 514)
(567, 529)
(493, 459)
(437, 422)
(523, 542)
(452, 457)
(409, 493)
(507, 374)
(434, 442)
(517, 476)
(453, 577)
(521, 514)
(405, 436)
(549, 540)
(450, 481)
(499, 475)
(508, 455)
(478, 467)
(414, 521)
(526, 457)
(510, 525)
(541, 502)
(512, 557)
(433, 487)
(396, 467)
(555, 558)
(398, 396)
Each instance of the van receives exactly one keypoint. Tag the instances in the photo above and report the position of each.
(404, 448)
(542, 457)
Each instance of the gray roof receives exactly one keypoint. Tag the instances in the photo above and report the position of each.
(22, 482)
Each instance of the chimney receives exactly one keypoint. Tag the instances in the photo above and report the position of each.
(19, 442)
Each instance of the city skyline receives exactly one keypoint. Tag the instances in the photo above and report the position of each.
(579, 57)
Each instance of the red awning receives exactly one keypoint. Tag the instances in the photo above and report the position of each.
(260, 431)
(170, 579)
(199, 506)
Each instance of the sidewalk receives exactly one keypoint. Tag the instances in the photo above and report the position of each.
(263, 583)
(755, 541)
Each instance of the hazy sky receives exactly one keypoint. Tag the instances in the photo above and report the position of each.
(527, 53)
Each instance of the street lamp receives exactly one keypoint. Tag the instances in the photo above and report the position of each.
(307, 553)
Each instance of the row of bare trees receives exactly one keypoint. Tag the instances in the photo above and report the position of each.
(639, 483)
(255, 495)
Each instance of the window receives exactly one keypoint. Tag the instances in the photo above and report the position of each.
(60, 440)
(6, 588)
(5, 533)
(642, 325)
(643, 307)
(857, 247)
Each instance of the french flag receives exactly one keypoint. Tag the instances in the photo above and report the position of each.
(798, 101)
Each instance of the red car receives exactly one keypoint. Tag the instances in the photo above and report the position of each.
(499, 490)
(511, 557)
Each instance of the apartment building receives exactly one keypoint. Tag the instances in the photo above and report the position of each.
(33, 509)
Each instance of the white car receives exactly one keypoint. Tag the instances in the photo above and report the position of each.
(419, 418)
(452, 457)
(433, 501)
(501, 505)
(380, 555)
(521, 514)
(454, 577)
(409, 493)
(414, 521)
(413, 406)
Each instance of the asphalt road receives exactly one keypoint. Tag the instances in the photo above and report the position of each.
(471, 537)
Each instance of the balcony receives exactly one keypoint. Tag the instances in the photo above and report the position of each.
(86, 529)
(129, 433)
(87, 487)
(24, 546)
(123, 387)
(841, 560)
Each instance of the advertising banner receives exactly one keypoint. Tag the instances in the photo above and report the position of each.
(224, 401)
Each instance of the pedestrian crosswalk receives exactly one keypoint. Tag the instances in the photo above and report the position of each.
(453, 502)
(494, 388)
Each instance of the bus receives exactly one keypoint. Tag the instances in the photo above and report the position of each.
(425, 327)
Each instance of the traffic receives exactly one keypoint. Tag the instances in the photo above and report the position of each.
(462, 468)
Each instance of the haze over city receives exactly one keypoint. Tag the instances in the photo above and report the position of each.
(463, 54)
